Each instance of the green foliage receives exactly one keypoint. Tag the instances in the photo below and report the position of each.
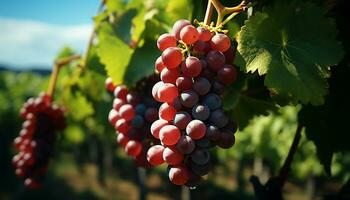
(293, 45)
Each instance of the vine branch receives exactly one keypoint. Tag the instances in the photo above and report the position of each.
(208, 13)
(284, 171)
(223, 10)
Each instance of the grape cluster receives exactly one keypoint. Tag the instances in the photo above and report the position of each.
(194, 68)
(36, 139)
(132, 114)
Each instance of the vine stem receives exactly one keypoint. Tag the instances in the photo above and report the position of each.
(223, 10)
(55, 71)
(91, 38)
(288, 162)
(208, 13)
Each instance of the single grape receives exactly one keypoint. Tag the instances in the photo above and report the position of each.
(200, 156)
(188, 98)
(167, 92)
(227, 74)
(218, 118)
(122, 140)
(155, 155)
(156, 126)
(220, 42)
(215, 60)
(231, 126)
(184, 83)
(213, 132)
(189, 34)
(192, 66)
(181, 119)
(200, 112)
(172, 156)
(133, 148)
(204, 34)
(217, 87)
(159, 65)
(169, 75)
(109, 84)
(133, 99)
(167, 112)
(178, 25)
(230, 55)
(177, 103)
(196, 129)
(200, 170)
(227, 139)
(172, 57)
(213, 101)
(169, 134)
(140, 109)
(127, 112)
(165, 41)
(121, 91)
(155, 89)
(178, 175)
(201, 86)
(113, 117)
(122, 126)
(200, 46)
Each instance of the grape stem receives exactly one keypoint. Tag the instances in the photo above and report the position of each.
(283, 173)
(208, 13)
(223, 11)
(55, 71)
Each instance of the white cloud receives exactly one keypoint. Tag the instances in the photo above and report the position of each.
(25, 43)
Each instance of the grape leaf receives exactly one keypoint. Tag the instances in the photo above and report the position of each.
(294, 45)
(113, 53)
(327, 125)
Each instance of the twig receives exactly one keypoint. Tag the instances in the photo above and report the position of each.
(223, 11)
(208, 13)
(287, 163)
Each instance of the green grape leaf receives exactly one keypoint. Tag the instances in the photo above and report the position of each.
(78, 106)
(293, 45)
(113, 53)
(142, 62)
(327, 125)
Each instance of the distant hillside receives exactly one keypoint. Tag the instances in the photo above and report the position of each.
(43, 72)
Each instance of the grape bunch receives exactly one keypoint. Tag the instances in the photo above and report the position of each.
(194, 67)
(35, 143)
(132, 114)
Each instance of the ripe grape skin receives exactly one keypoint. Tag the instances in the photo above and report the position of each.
(200, 112)
(169, 75)
(213, 101)
(137, 121)
(140, 109)
(167, 92)
(212, 132)
(159, 65)
(133, 148)
(189, 34)
(155, 155)
(109, 84)
(169, 134)
(218, 118)
(227, 74)
(167, 112)
(215, 59)
(178, 25)
(192, 66)
(184, 83)
(127, 112)
(227, 139)
(172, 57)
(113, 117)
(165, 41)
(185, 144)
(181, 119)
(188, 98)
(178, 175)
(220, 42)
(204, 34)
(120, 92)
(201, 86)
(122, 140)
(156, 126)
(230, 55)
(172, 156)
(122, 126)
(196, 129)
(155, 89)
(200, 170)
(218, 87)
(117, 103)
(151, 114)
(200, 156)
(200, 46)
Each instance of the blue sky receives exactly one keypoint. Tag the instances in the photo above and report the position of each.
(33, 31)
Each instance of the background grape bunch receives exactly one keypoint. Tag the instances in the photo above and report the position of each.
(35, 143)
(194, 68)
(132, 114)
